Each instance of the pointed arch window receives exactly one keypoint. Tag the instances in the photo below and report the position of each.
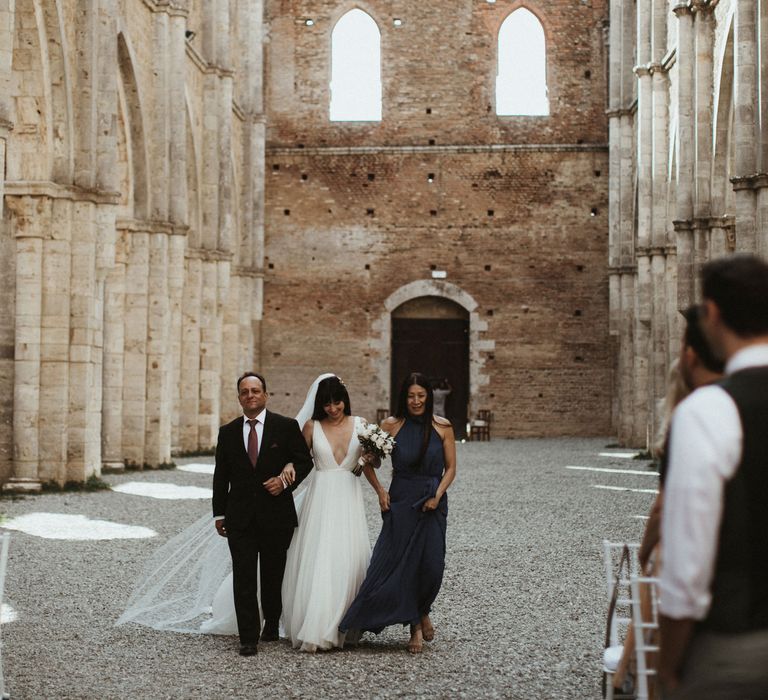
(521, 79)
(356, 68)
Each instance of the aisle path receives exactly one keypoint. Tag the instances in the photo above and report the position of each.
(520, 615)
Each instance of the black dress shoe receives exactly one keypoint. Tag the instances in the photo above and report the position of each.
(270, 633)
(248, 649)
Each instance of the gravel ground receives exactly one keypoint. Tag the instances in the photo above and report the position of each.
(520, 614)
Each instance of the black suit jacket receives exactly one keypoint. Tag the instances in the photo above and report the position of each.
(238, 488)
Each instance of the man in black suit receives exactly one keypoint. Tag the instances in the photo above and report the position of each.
(253, 506)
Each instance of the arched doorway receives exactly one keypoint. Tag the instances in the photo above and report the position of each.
(430, 334)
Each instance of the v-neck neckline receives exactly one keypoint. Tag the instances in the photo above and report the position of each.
(328, 442)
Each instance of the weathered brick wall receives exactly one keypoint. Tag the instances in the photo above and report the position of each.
(515, 211)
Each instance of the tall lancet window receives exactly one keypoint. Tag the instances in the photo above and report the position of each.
(521, 80)
(356, 69)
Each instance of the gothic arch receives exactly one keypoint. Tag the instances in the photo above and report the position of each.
(135, 133)
(504, 97)
(369, 91)
(382, 328)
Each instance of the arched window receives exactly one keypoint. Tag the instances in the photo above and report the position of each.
(521, 80)
(356, 68)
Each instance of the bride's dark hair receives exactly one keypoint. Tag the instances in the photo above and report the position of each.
(330, 390)
(402, 410)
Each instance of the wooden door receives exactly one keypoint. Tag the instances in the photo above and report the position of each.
(437, 348)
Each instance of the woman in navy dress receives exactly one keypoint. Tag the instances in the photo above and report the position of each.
(408, 561)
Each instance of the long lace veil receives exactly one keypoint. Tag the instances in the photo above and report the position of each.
(176, 589)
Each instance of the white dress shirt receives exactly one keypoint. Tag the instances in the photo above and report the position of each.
(704, 452)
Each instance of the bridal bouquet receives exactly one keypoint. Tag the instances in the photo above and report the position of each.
(375, 441)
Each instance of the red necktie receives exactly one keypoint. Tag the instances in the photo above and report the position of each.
(253, 442)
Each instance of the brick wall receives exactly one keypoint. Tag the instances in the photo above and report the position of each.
(513, 209)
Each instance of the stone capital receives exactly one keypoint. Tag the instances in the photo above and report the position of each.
(682, 225)
(683, 9)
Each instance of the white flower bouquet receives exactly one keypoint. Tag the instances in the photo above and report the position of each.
(376, 442)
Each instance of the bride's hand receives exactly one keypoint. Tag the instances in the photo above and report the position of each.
(288, 474)
(384, 501)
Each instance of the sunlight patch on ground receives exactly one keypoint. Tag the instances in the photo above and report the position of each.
(7, 614)
(196, 468)
(58, 526)
(165, 491)
(608, 470)
(620, 455)
(623, 488)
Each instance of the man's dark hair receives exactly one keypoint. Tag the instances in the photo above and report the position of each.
(738, 284)
(245, 375)
(694, 338)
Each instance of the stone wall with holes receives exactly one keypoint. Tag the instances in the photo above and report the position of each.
(512, 209)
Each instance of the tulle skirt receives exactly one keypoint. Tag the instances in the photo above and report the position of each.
(327, 560)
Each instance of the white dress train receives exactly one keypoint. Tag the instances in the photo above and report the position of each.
(330, 550)
(187, 583)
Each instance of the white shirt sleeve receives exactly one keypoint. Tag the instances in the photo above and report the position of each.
(704, 452)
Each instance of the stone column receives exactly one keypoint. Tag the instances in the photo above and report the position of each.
(28, 229)
(686, 155)
(157, 441)
(135, 347)
(7, 247)
(55, 338)
(704, 101)
(190, 356)
(745, 121)
(92, 228)
(114, 359)
(177, 211)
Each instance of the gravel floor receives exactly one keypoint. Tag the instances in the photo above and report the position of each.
(520, 614)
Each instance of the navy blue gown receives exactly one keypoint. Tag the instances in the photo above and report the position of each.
(408, 561)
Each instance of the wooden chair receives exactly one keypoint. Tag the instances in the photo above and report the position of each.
(381, 414)
(480, 428)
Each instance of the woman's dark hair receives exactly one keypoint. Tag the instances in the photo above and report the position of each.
(330, 390)
(402, 410)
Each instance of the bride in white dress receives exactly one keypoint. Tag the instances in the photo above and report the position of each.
(329, 553)
(187, 583)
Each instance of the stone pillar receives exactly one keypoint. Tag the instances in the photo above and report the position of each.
(86, 313)
(745, 121)
(157, 441)
(55, 335)
(84, 97)
(191, 355)
(178, 213)
(29, 224)
(135, 347)
(7, 247)
(686, 155)
(114, 359)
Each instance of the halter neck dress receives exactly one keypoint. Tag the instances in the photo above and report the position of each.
(408, 560)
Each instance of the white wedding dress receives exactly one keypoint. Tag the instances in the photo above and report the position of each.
(330, 550)
(186, 585)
